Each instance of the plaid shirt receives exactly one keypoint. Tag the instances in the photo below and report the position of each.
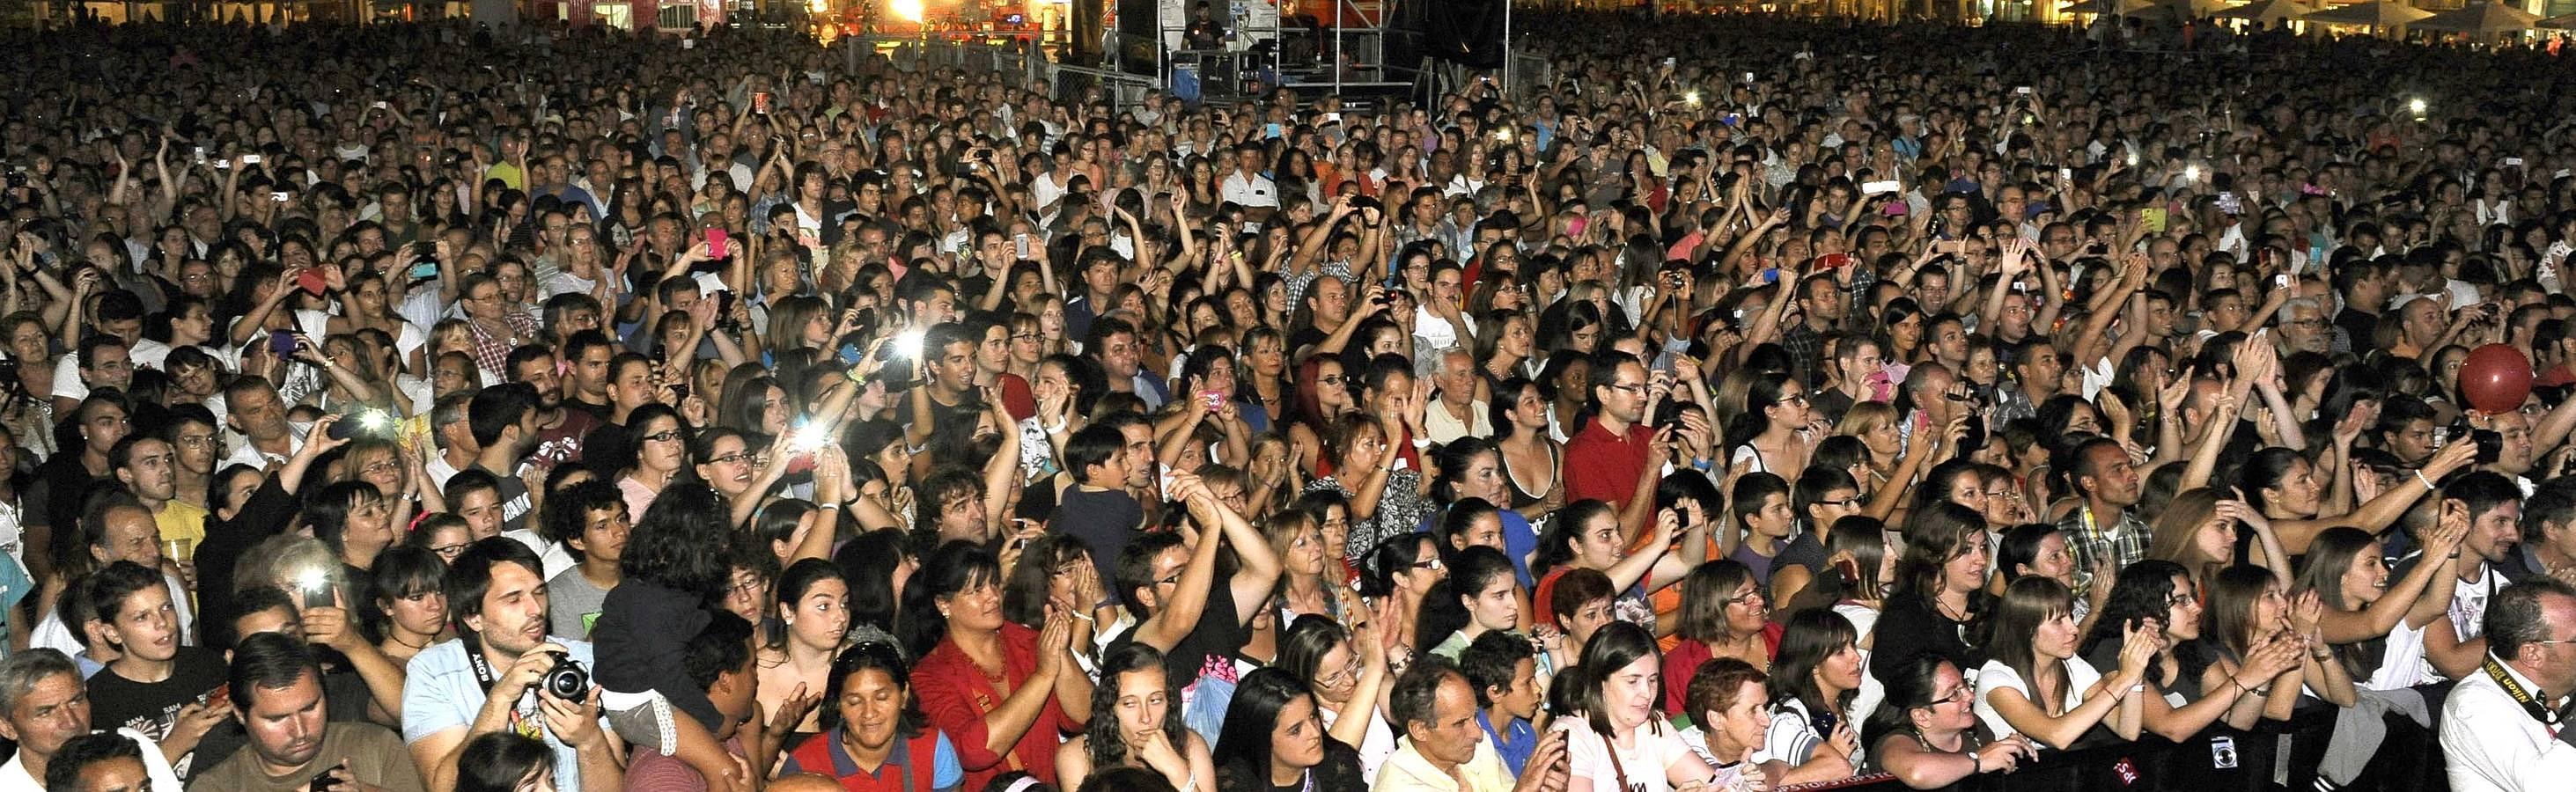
(1806, 352)
(492, 353)
(2123, 541)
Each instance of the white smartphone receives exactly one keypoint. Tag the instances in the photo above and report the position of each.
(1881, 187)
(250, 159)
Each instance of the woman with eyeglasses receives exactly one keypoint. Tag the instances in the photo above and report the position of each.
(1006, 692)
(1349, 673)
(1401, 574)
(1776, 432)
(1323, 396)
(661, 452)
(1723, 615)
(873, 725)
(1926, 734)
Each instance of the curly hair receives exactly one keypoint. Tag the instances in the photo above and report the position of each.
(1104, 738)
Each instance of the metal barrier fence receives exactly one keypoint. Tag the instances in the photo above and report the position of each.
(1022, 59)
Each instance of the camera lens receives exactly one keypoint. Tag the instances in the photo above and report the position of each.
(567, 679)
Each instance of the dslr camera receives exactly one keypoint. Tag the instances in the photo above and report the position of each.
(566, 679)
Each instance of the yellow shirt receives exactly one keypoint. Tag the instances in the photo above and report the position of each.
(178, 520)
(1408, 771)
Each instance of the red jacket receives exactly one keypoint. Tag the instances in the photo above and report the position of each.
(956, 695)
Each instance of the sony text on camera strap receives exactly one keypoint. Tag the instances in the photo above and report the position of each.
(526, 724)
(2549, 718)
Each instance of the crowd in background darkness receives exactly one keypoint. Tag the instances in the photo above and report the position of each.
(1735, 403)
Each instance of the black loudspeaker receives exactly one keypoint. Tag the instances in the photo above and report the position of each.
(1465, 32)
(1138, 34)
(1085, 22)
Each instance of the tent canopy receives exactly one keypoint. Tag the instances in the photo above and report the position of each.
(2376, 13)
(2481, 19)
(2268, 11)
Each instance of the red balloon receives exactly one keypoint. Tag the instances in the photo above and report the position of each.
(2495, 378)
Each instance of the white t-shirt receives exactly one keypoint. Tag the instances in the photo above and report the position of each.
(1995, 676)
(1871, 690)
(1590, 755)
(2401, 661)
(1793, 736)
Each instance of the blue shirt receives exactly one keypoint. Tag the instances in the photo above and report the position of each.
(440, 692)
(1515, 743)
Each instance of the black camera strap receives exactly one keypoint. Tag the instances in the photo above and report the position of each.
(526, 724)
(2553, 720)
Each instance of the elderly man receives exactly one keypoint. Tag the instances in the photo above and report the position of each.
(2501, 725)
(2304, 327)
(1444, 750)
(44, 704)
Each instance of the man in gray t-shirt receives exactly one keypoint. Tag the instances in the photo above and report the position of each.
(589, 520)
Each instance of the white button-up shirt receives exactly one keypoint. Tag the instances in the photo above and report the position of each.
(2491, 743)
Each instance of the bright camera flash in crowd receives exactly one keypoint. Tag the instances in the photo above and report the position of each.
(2416, 106)
(907, 345)
(807, 437)
(1691, 98)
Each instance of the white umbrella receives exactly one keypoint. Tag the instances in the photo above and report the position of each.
(2383, 14)
(2480, 19)
(2268, 11)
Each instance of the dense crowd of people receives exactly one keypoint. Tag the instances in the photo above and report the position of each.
(1737, 403)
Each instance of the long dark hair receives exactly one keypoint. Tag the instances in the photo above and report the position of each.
(681, 543)
(2330, 555)
(496, 761)
(867, 564)
(2026, 604)
(798, 579)
(1555, 548)
(1024, 595)
(954, 567)
(1103, 737)
(1243, 743)
(1812, 635)
(2145, 590)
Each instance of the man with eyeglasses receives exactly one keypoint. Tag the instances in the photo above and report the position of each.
(2304, 327)
(1608, 459)
(2503, 726)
